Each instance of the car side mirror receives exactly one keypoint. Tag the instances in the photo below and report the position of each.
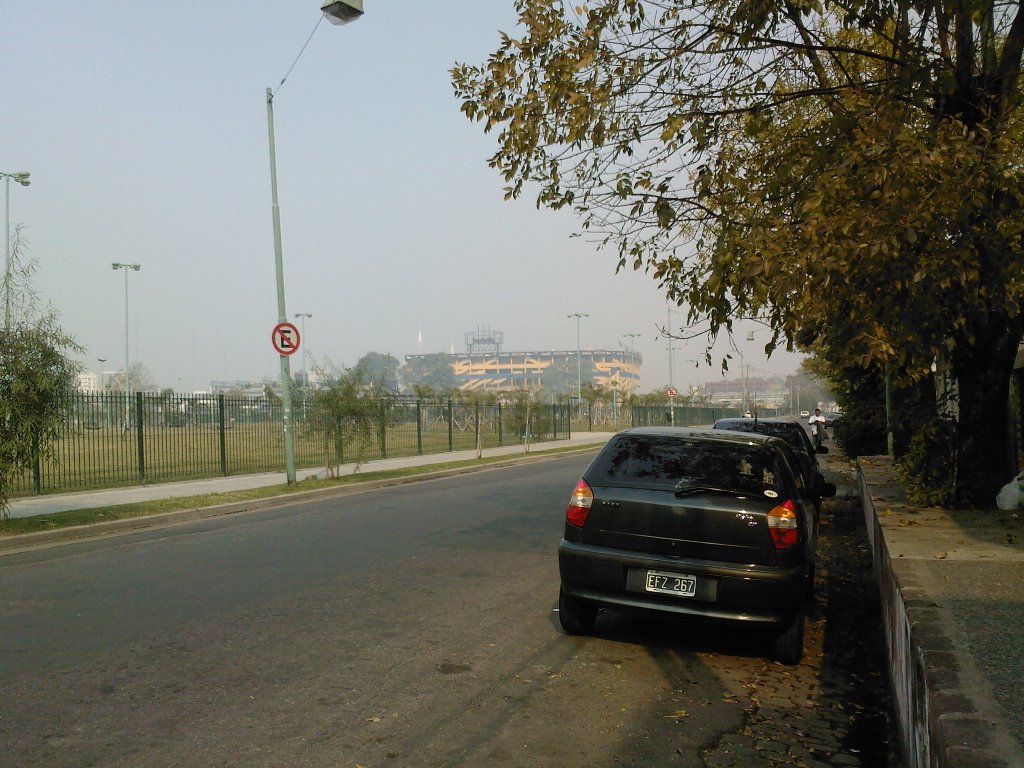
(821, 449)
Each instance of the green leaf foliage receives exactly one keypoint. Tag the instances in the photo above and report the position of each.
(35, 379)
(36, 374)
(430, 373)
(849, 174)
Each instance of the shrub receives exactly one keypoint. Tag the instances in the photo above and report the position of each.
(929, 464)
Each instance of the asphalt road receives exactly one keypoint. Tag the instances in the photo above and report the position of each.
(410, 626)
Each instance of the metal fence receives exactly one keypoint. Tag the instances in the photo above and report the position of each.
(185, 437)
(108, 440)
(687, 416)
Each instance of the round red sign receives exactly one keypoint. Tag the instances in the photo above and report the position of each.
(285, 338)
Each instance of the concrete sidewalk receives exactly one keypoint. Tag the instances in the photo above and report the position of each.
(951, 584)
(54, 503)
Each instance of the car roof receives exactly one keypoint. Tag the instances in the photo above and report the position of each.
(704, 433)
(752, 419)
(780, 425)
(731, 421)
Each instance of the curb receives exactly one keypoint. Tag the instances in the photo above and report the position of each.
(27, 541)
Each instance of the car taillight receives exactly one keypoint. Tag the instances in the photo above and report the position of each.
(579, 504)
(782, 525)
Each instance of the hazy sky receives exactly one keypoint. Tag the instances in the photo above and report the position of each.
(144, 128)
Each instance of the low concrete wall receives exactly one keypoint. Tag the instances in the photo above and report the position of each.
(906, 677)
(938, 720)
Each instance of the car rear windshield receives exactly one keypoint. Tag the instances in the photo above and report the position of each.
(682, 463)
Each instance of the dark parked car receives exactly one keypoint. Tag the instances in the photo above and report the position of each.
(795, 434)
(702, 523)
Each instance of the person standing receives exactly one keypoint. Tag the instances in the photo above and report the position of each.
(817, 422)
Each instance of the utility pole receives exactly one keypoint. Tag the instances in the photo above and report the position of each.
(21, 177)
(127, 395)
(579, 357)
(671, 382)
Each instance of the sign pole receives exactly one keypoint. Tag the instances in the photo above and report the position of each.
(282, 314)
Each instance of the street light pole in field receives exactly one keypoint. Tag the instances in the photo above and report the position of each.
(127, 396)
(22, 177)
(579, 357)
(301, 316)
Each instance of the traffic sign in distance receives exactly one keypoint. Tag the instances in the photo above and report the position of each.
(672, 392)
(285, 339)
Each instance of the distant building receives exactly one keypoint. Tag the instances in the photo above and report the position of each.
(313, 379)
(88, 381)
(770, 392)
(252, 390)
(485, 367)
(499, 371)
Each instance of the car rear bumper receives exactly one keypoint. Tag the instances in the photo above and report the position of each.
(752, 594)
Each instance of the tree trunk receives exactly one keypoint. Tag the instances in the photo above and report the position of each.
(982, 371)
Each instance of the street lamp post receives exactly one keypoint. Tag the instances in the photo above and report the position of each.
(282, 313)
(99, 389)
(671, 366)
(631, 348)
(127, 396)
(337, 12)
(579, 357)
(22, 177)
(305, 371)
(744, 371)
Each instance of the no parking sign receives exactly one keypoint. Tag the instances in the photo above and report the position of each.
(285, 339)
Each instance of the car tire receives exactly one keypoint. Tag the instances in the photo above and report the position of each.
(788, 645)
(576, 616)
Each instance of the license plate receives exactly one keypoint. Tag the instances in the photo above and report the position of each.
(677, 584)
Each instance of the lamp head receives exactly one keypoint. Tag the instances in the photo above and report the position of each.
(342, 11)
(19, 176)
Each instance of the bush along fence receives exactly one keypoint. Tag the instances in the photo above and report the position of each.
(110, 440)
